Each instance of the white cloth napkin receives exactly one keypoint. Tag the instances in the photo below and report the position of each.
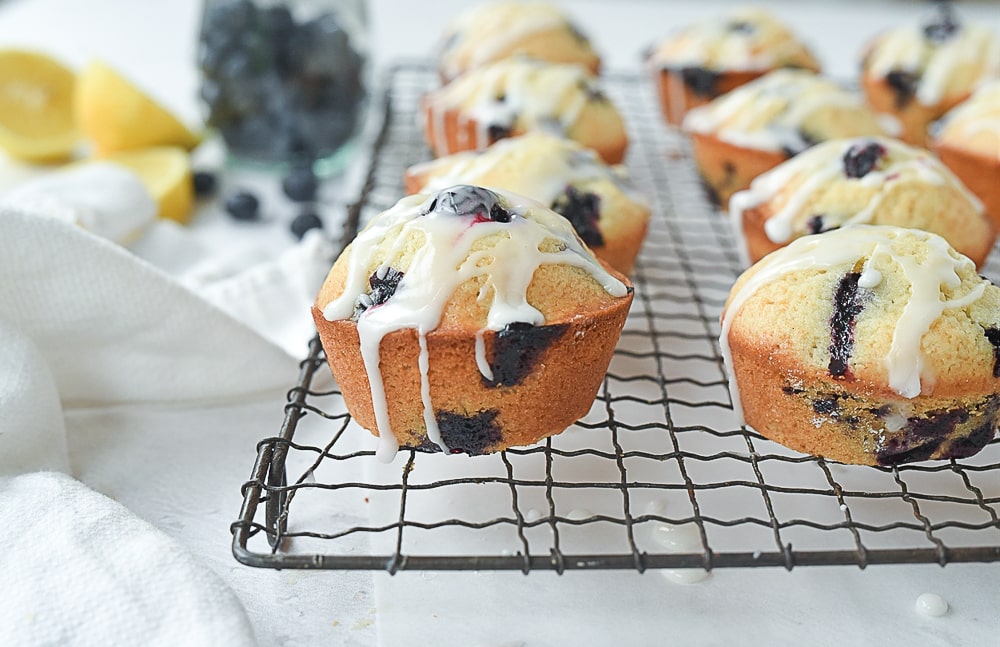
(85, 323)
(79, 569)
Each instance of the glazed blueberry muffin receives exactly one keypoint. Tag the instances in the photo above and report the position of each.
(918, 72)
(876, 181)
(765, 122)
(606, 211)
(968, 142)
(469, 321)
(708, 59)
(517, 96)
(871, 345)
(492, 32)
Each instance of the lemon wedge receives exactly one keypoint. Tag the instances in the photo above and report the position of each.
(36, 107)
(166, 173)
(116, 115)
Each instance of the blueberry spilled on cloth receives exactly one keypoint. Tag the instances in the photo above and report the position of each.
(243, 206)
(304, 222)
(300, 184)
(204, 183)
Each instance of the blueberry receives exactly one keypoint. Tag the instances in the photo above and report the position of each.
(496, 132)
(860, 159)
(204, 183)
(815, 224)
(702, 81)
(243, 205)
(741, 27)
(300, 184)
(472, 434)
(516, 350)
(993, 336)
(904, 85)
(305, 221)
(848, 303)
(383, 283)
(583, 210)
(943, 26)
(466, 200)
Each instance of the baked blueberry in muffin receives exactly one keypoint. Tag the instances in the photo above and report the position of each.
(917, 72)
(873, 345)
(705, 60)
(469, 320)
(868, 180)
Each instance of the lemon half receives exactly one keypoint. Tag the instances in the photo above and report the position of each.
(116, 115)
(36, 107)
(166, 172)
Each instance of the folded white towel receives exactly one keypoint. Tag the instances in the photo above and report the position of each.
(79, 569)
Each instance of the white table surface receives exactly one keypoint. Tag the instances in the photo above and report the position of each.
(193, 496)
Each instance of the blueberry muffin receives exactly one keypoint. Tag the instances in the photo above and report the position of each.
(710, 58)
(607, 212)
(760, 125)
(918, 72)
(872, 345)
(968, 142)
(877, 181)
(517, 96)
(492, 32)
(469, 321)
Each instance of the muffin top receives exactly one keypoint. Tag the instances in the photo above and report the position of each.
(974, 125)
(935, 61)
(745, 40)
(516, 96)
(784, 110)
(492, 32)
(554, 171)
(863, 181)
(466, 259)
(896, 311)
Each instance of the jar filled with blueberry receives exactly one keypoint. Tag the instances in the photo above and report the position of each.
(284, 81)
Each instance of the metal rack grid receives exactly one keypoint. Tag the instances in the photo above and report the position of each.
(658, 475)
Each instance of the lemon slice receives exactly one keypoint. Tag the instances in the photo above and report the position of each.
(116, 115)
(36, 107)
(166, 172)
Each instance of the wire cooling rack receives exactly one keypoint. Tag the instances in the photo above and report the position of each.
(658, 475)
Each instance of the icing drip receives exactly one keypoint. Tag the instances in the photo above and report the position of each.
(514, 94)
(840, 250)
(769, 113)
(823, 164)
(454, 236)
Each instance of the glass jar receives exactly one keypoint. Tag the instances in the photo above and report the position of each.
(285, 81)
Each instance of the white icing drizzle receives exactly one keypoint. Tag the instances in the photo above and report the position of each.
(486, 32)
(440, 264)
(840, 249)
(935, 62)
(535, 96)
(931, 605)
(536, 165)
(714, 44)
(678, 539)
(768, 113)
(823, 164)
